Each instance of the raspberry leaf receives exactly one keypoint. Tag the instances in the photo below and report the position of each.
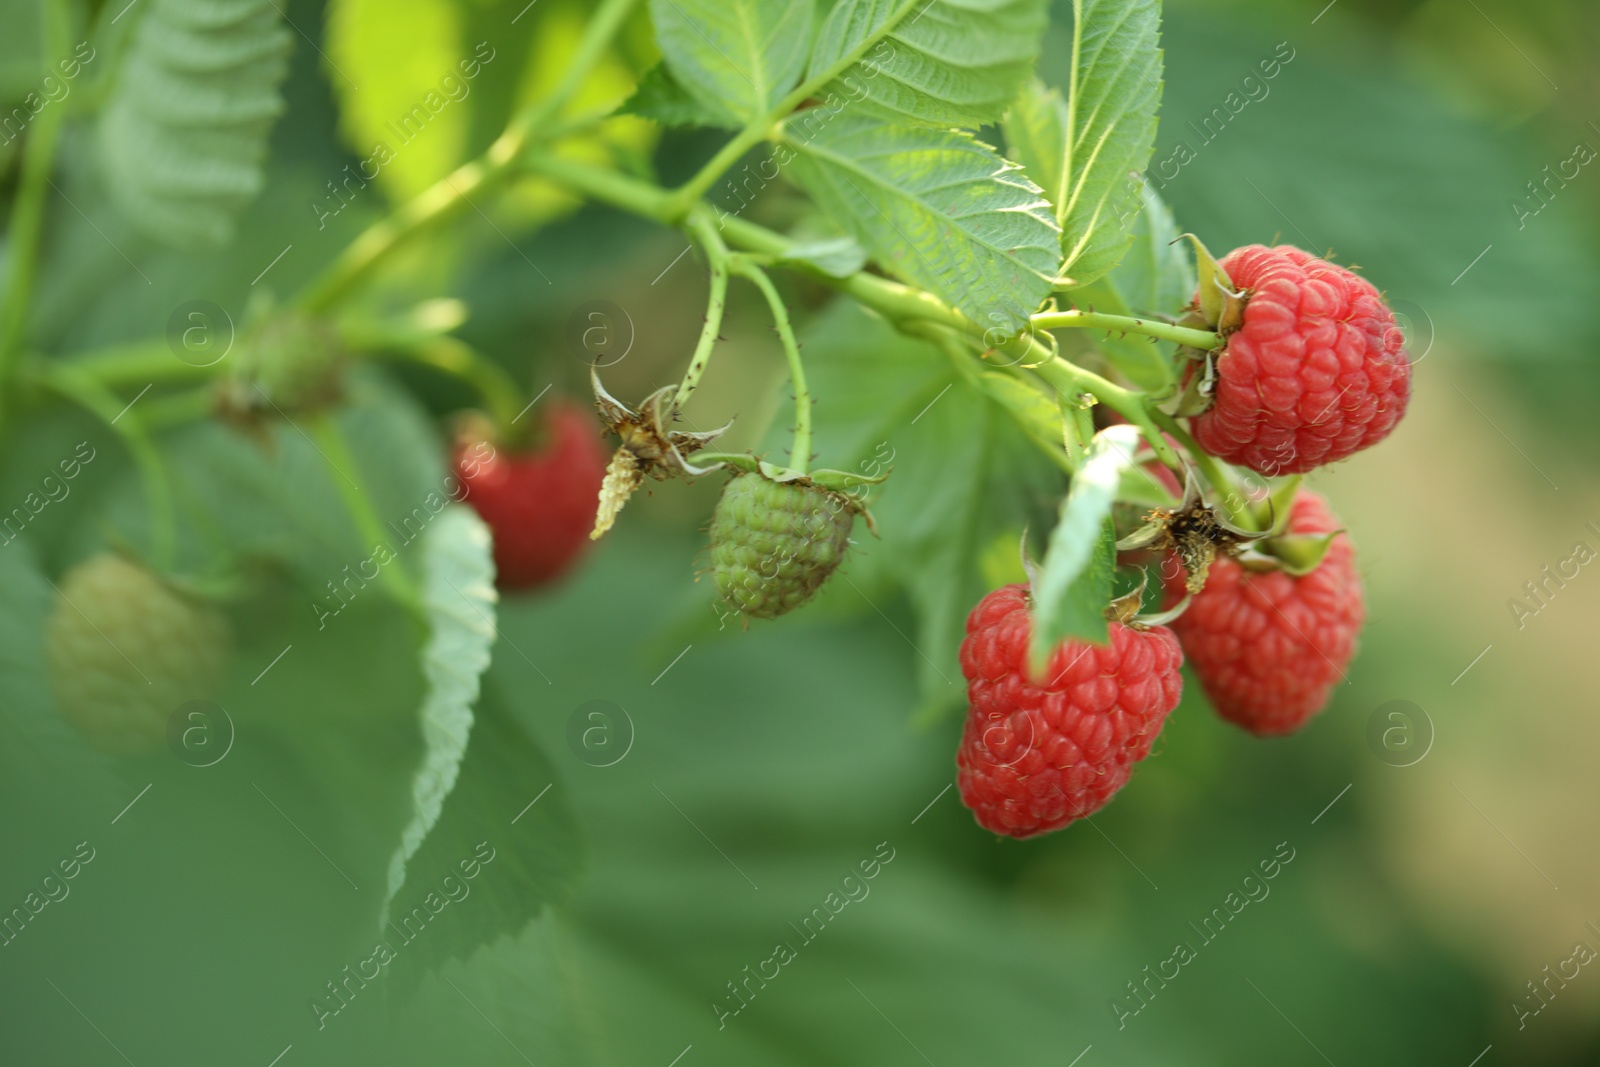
(1155, 278)
(836, 257)
(1110, 118)
(1074, 583)
(928, 62)
(184, 132)
(938, 208)
(737, 58)
(661, 98)
(536, 858)
(459, 600)
(963, 474)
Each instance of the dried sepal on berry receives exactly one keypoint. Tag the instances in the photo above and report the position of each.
(647, 447)
(1195, 531)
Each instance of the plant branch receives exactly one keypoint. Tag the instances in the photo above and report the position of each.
(107, 406)
(899, 303)
(706, 236)
(1223, 489)
(27, 212)
(800, 450)
(449, 194)
(1089, 320)
(453, 356)
(345, 474)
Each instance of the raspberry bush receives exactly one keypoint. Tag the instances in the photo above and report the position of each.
(335, 471)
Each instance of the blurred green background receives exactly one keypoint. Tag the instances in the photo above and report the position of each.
(762, 765)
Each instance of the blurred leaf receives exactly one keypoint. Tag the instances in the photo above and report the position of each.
(1155, 278)
(939, 63)
(399, 70)
(738, 58)
(500, 798)
(961, 472)
(459, 597)
(938, 208)
(22, 48)
(1074, 582)
(243, 498)
(661, 98)
(1035, 130)
(1111, 110)
(521, 986)
(837, 257)
(183, 136)
(38, 750)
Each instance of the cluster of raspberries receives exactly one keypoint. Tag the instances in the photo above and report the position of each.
(1314, 372)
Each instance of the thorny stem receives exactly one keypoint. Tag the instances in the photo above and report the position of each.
(800, 451)
(1223, 489)
(897, 302)
(450, 193)
(716, 251)
(1090, 320)
(107, 406)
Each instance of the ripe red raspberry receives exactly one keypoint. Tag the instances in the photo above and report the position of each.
(125, 649)
(539, 504)
(1037, 755)
(1268, 647)
(1316, 372)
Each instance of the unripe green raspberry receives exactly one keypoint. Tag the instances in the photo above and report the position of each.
(288, 364)
(125, 649)
(773, 544)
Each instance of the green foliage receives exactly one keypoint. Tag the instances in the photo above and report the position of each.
(506, 794)
(738, 58)
(458, 598)
(1110, 122)
(1155, 278)
(928, 62)
(184, 134)
(385, 58)
(661, 98)
(1074, 582)
(836, 257)
(22, 48)
(937, 208)
(962, 473)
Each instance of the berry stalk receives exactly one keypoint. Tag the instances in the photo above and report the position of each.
(344, 471)
(27, 213)
(1090, 320)
(800, 450)
(717, 254)
(107, 406)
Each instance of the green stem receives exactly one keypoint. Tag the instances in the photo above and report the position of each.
(800, 451)
(685, 197)
(345, 473)
(1224, 492)
(108, 407)
(125, 366)
(450, 193)
(1090, 320)
(452, 356)
(897, 302)
(717, 253)
(27, 212)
